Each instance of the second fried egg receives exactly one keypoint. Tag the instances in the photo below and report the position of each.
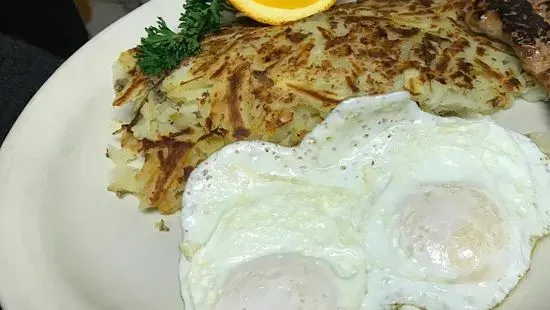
(381, 205)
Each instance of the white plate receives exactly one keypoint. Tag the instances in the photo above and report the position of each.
(67, 243)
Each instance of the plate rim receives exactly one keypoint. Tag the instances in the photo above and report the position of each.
(15, 225)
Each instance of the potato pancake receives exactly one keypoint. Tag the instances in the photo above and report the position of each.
(276, 83)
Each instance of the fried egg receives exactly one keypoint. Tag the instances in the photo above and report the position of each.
(381, 205)
(267, 238)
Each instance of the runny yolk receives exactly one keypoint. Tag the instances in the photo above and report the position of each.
(286, 4)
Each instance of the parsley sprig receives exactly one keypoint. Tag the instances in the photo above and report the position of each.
(163, 49)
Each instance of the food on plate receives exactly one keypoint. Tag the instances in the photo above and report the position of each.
(276, 12)
(161, 226)
(163, 48)
(380, 205)
(523, 26)
(542, 7)
(542, 139)
(277, 83)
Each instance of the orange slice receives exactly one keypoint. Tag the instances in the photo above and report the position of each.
(276, 12)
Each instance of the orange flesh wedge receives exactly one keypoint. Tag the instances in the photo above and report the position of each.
(286, 4)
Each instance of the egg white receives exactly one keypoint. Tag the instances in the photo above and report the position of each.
(261, 213)
(393, 205)
(457, 214)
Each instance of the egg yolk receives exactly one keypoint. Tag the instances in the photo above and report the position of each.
(286, 4)
(275, 282)
(457, 230)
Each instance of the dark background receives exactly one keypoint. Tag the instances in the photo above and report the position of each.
(35, 38)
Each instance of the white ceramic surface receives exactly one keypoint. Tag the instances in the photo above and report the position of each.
(68, 243)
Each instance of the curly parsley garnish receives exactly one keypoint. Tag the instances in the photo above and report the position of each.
(163, 49)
